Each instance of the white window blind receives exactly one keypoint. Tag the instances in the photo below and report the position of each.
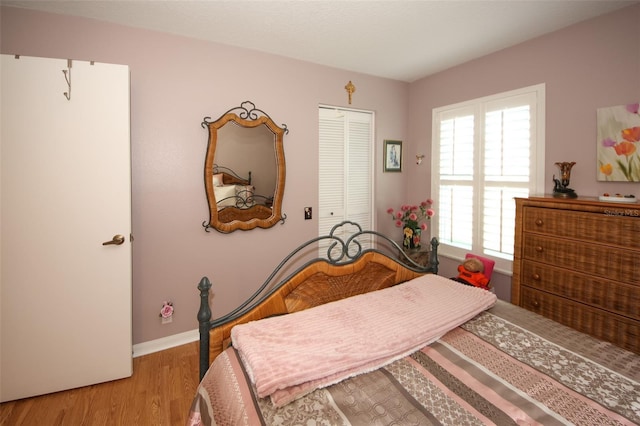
(485, 153)
(345, 169)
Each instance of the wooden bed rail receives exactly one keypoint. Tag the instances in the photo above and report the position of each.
(346, 271)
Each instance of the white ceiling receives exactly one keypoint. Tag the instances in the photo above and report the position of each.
(398, 39)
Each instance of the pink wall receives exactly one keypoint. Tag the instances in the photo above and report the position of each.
(586, 66)
(175, 83)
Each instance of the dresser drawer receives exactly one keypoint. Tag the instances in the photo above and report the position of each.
(604, 325)
(616, 264)
(613, 296)
(611, 226)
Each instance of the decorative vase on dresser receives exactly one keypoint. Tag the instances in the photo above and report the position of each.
(578, 262)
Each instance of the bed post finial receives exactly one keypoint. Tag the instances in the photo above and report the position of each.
(204, 313)
(204, 317)
(433, 260)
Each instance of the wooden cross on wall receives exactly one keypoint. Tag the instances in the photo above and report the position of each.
(350, 89)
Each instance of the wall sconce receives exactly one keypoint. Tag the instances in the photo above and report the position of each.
(419, 158)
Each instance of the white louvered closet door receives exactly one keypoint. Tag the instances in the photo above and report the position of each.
(345, 169)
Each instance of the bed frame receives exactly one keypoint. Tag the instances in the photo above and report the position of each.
(347, 270)
(230, 177)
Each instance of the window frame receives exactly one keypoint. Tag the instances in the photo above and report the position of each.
(478, 107)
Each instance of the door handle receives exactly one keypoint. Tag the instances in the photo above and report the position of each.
(117, 240)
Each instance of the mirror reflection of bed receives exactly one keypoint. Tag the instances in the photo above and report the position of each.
(236, 196)
(232, 190)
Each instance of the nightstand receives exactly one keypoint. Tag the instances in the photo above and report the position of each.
(421, 256)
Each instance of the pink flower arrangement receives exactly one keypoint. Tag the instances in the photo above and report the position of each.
(413, 216)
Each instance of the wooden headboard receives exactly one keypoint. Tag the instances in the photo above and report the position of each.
(230, 177)
(318, 281)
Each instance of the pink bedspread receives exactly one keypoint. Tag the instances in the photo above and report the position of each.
(289, 356)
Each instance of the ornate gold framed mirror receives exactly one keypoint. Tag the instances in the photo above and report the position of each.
(244, 170)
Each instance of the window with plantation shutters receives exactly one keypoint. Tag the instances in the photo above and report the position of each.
(486, 152)
(345, 169)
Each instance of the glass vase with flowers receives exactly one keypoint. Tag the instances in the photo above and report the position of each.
(413, 221)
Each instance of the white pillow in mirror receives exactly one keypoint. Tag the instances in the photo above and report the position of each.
(245, 192)
(218, 180)
(225, 195)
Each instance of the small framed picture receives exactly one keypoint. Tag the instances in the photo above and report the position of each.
(392, 156)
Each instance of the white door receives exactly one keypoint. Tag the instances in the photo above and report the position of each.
(65, 298)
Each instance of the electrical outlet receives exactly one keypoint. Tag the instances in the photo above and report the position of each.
(307, 213)
(166, 313)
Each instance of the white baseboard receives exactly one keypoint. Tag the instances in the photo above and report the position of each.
(157, 345)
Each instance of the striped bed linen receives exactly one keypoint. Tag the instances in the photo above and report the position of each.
(506, 366)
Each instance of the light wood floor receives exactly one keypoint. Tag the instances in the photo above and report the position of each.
(159, 393)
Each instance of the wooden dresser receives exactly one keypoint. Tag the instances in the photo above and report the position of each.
(578, 262)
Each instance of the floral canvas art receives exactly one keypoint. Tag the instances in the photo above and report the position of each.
(618, 140)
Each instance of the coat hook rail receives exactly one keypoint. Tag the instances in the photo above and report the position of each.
(67, 76)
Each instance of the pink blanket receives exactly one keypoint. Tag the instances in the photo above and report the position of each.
(289, 356)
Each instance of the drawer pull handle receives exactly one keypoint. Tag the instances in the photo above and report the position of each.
(539, 222)
(535, 304)
(539, 249)
(536, 277)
